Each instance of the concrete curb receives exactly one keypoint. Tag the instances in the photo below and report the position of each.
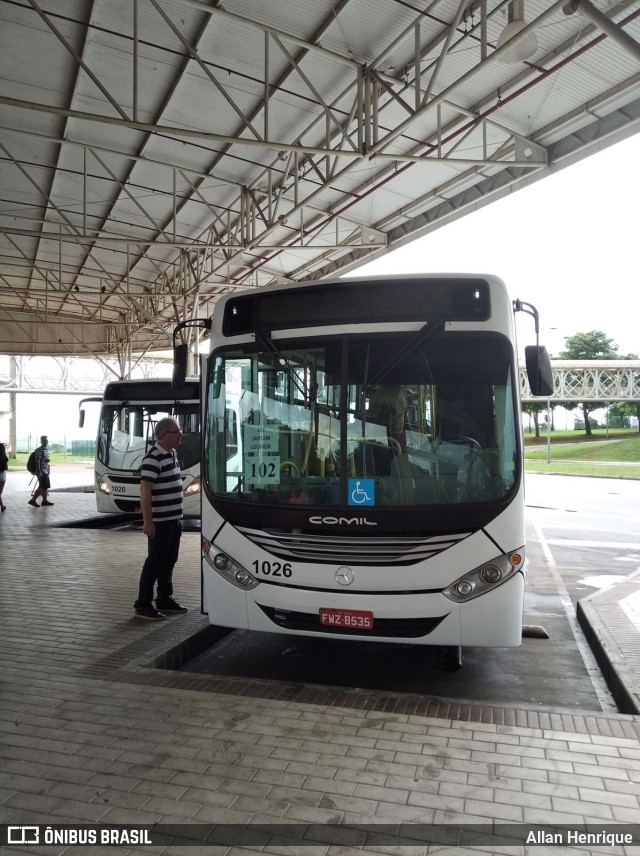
(602, 619)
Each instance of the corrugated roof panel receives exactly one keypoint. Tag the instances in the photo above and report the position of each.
(35, 65)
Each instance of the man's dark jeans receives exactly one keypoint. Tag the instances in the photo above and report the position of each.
(162, 555)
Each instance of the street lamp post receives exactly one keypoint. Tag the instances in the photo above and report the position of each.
(551, 330)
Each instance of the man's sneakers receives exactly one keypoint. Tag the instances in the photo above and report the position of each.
(34, 503)
(171, 607)
(149, 613)
(46, 502)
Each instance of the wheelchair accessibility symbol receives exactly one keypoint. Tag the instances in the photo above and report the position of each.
(361, 491)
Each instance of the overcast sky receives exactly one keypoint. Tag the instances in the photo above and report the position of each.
(568, 243)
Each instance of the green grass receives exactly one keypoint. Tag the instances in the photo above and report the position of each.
(617, 457)
(579, 436)
(602, 450)
(576, 468)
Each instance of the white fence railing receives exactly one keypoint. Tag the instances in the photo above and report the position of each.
(573, 380)
(585, 380)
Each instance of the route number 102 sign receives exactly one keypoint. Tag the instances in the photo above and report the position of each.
(261, 456)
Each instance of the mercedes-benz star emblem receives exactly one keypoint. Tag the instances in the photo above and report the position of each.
(344, 576)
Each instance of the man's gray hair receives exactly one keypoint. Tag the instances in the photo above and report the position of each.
(165, 425)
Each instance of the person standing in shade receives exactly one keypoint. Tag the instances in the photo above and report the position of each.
(4, 466)
(42, 473)
(161, 505)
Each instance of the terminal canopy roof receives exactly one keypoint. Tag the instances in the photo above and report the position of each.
(155, 154)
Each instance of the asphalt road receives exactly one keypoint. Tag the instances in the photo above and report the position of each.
(582, 534)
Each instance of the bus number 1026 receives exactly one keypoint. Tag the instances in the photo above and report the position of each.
(272, 569)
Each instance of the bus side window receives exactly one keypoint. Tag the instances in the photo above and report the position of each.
(231, 432)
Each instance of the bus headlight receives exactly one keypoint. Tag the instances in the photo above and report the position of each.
(485, 578)
(464, 588)
(221, 562)
(491, 574)
(193, 488)
(103, 486)
(227, 567)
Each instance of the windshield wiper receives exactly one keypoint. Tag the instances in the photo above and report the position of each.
(423, 333)
(266, 342)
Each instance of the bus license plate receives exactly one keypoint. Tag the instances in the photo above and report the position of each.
(355, 619)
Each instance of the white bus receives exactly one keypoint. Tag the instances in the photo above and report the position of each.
(377, 485)
(129, 412)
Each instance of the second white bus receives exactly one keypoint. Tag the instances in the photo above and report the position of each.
(129, 412)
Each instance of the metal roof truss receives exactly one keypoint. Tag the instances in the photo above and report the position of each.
(156, 153)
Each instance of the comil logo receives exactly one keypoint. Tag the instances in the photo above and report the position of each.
(341, 521)
(23, 835)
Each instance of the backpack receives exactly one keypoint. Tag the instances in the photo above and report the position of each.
(31, 463)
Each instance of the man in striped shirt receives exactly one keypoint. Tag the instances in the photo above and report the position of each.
(161, 504)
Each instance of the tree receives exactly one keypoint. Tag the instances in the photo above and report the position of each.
(534, 409)
(631, 408)
(619, 414)
(594, 345)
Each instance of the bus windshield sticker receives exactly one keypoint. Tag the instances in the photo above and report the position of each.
(362, 492)
(261, 461)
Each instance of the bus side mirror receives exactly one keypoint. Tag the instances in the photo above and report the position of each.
(180, 360)
(81, 419)
(539, 372)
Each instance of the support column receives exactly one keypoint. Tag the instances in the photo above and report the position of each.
(13, 404)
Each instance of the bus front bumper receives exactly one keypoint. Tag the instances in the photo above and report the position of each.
(491, 620)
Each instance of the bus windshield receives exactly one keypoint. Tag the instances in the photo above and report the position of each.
(390, 420)
(127, 432)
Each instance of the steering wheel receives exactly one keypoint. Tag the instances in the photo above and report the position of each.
(459, 440)
(293, 466)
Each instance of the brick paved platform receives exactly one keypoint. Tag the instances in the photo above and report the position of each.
(90, 732)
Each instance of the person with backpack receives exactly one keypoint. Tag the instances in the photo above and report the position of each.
(41, 460)
(4, 466)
